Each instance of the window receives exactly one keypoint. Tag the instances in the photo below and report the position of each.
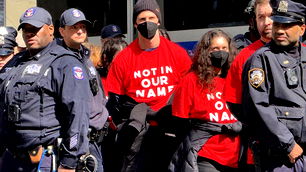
(195, 14)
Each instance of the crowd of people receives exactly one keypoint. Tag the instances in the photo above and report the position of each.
(237, 104)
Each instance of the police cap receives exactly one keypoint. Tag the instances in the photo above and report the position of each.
(287, 11)
(111, 31)
(35, 16)
(7, 40)
(73, 16)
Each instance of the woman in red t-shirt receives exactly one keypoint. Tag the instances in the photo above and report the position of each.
(199, 96)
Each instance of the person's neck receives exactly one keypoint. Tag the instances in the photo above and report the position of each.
(74, 46)
(149, 43)
(265, 40)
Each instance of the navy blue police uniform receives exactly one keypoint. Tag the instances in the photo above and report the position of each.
(274, 96)
(98, 111)
(44, 104)
(8, 42)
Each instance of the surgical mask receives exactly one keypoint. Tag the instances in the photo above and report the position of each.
(219, 58)
(147, 29)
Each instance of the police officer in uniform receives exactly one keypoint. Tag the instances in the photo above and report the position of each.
(73, 29)
(7, 44)
(243, 40)
(44, 106)
(274, 95)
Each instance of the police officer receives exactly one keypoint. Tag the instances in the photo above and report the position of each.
(274, 95)
(111, 31)
(7, 44)
(73, 29)
(243, 40)
(44, 101)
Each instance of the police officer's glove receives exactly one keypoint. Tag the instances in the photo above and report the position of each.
(126, 137)
(120, 106)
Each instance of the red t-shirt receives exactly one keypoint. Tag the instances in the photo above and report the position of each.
(233, 84)
(104, 85)
(191, 101)
(148, 76)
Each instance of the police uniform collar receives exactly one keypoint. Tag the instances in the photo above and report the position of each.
(286, 56)
(42, 51)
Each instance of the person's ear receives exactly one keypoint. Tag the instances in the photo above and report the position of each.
(303, 27)
(51, 29)
(61, 30)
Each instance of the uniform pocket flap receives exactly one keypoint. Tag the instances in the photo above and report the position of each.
(289, 112)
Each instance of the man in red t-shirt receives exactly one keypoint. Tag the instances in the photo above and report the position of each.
(233, 84)
(147, 71)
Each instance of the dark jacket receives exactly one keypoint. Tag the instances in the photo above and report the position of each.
(44, 97)
(185, 158)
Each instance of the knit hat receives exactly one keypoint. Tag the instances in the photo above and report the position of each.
(143, 5)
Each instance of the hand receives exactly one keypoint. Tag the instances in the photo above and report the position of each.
(295, 153)
(62, 169)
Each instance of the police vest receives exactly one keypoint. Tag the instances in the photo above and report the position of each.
(28, 99)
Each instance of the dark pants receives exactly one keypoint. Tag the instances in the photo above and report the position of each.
(11, 164)
(95, 150)
(269, 161)
(206, 165)
(156, 151)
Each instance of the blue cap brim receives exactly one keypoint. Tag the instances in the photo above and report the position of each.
(34, 23)
(87, 22)
(283, 19)
(5, 51)
(117, 34)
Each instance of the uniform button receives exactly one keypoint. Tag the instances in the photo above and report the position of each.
(286, 62)
(286, 113)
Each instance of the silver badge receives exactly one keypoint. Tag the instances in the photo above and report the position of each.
(3, 31)
(114, 28)
(256, 77)
(76, 13)
(282, 6)
(92, 71)
(2, 40)
(32, 69)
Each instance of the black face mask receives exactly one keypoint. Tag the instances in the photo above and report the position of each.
(147, 29)
(219, 58)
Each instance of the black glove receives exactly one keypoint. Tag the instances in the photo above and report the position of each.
(120, 106)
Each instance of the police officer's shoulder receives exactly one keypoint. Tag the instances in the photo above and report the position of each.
(256, 57)
(65, 57)
(240, 41)
(14, 61)
(59, 50)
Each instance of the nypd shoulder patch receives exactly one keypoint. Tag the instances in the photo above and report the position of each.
(256, 77)
(78, 72)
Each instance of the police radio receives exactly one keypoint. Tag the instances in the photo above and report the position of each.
(13, 113)
(94, 86)
(292, 78)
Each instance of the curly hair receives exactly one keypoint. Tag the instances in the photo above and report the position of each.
(110, 47)
(202, 65)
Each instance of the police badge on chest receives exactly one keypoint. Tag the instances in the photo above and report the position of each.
(32, 69)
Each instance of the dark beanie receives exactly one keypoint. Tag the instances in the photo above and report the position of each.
(143, 5)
